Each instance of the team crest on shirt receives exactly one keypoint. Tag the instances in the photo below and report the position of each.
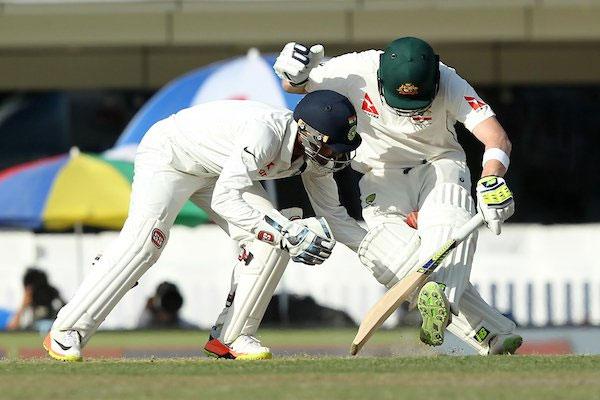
(408, 89)
(370, 199)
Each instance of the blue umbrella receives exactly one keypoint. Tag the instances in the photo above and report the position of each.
(249, 77)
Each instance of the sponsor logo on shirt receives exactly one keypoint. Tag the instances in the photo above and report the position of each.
(265, 170)
(158, 238)
(368, 107)
(475, 104)
(422, 119)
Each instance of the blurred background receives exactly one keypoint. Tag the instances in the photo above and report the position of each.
(80, 82)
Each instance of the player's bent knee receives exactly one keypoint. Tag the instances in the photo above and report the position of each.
(389, 251)
(447, 204)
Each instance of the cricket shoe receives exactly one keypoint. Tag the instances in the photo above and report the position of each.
(63, 346)
(245, 347)
(505, 344)
(435, 311)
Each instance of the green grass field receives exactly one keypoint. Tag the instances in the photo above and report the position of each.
(297, 377)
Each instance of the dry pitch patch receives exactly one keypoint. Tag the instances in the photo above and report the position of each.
(516, 377)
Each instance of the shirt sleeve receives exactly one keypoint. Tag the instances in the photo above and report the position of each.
(259, 147)
(323, 195)
(333, 74)
(464, 104)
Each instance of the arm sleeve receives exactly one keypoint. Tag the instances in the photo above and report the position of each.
(464, 104)
(260, 147)
(323, 195)
(333, 74)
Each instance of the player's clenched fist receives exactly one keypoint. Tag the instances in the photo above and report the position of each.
(308, 241)
(296, 60)
(494, 201)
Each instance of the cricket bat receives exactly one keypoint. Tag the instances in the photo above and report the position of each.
(400, 291)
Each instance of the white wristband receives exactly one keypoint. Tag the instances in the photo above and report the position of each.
(496, 154)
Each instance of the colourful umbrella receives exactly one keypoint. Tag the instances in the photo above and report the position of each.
(249, 77)
(71, 190)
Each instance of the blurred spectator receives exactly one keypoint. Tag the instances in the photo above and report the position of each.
(302, 312)
(162, 309)
(40, 304)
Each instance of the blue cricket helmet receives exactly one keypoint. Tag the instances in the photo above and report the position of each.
(332, 116)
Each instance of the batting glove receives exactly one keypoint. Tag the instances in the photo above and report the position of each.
(295, 62)
(494, 201)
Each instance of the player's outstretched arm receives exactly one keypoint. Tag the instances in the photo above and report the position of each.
(322, 192)
(492, 135)
(494, 199)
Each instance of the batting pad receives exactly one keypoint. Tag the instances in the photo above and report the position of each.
(447, 207)
(389, 251)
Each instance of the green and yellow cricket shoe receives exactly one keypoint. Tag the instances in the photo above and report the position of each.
(435, 311)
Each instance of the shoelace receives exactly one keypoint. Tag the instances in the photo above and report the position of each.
(250, 340)
(71, 338)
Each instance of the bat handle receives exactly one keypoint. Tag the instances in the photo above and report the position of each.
(475, 222)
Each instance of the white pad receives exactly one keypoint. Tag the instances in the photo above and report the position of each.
(447, 207)
(478, 322)
(137, 248)
(255, 278)
(390, 250)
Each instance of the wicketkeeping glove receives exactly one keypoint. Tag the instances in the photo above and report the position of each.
(295, 62)
(494, 201)
(310, 246)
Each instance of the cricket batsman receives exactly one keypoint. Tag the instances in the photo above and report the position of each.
(408, 103)
(215, 154)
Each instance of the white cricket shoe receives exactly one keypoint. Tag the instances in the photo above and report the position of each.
(505, 344)
(63, 346)
(245, 347)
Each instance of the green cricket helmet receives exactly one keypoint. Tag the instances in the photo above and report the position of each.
(408, 75)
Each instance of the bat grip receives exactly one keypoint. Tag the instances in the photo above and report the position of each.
(475, 222)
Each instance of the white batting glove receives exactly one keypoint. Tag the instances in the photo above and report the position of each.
(295, 62)
(303, 244)
(494, 201)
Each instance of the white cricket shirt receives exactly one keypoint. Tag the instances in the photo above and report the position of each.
(391, 141)
(245, 141)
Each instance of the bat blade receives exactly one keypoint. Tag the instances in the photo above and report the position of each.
(389, 303)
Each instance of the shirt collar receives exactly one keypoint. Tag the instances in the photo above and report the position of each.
(289, 140)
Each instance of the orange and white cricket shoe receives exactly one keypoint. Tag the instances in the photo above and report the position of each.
(63, 346)
(245, 347)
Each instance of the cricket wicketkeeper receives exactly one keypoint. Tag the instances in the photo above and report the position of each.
(215, 154)
(408, 102)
